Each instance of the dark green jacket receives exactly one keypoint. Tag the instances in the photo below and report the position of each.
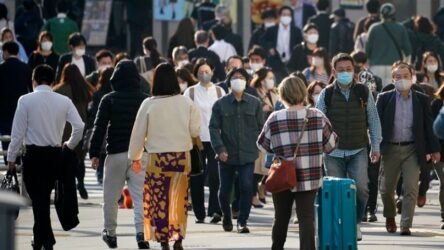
(235, 126)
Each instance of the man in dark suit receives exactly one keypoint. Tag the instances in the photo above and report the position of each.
(301, 12)
(77, 45)
(202, 39)
(408, 142)
(15, 81)
(269, 20)
(323, 22)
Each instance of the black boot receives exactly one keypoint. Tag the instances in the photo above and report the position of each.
(165, 246)
(82, 190)
(141, 243)
(178, 245)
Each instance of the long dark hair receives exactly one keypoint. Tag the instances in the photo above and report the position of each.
(322, 53)
(165, 81)
(259, 76)
(104, 83)
(81, 89)
(186, 75)
(437, 74)
(150, 44)
(185, 33)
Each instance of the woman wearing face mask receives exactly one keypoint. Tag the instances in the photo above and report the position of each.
(77, 56)
(204, 95)
(45, 53)
(314, 90)
(431, 68)
(185, 78)
(265, 84)
(320, 68)
(303, 52)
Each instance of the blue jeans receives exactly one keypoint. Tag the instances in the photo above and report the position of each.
(227, 178)
(354, 167)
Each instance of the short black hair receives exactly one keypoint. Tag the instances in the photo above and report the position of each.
(372, 6)
(43, 74)
(359, 57)
(242, 71)
(340, 58)
(219, 31)
(199, 63)
(237, 57)
(75, 39)
(323, 5)
(11, 47)
(104, 53)
(63, 7)
(286, 7)
(259, 51)
(165, 80)
(3, 11)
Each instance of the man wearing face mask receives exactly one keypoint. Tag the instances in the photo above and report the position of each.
(234, 62)
(104, 58)
(281, 38)
(408, 137)
(77, 45)
(235, 123)
(352, 112)
(269, 20)
(302, 53)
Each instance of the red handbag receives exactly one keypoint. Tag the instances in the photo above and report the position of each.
(282, 173)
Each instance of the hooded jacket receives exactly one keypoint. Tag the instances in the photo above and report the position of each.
(117, 111)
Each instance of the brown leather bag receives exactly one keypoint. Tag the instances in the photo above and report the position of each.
(282, 174)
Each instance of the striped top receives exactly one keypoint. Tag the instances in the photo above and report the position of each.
(280, 136)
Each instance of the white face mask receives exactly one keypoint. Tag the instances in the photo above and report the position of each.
(182, 63)
(432, 68)
(269, 24)
(317, 61)
(238, 85)
(315, 98)
(79, 52)
(250, 71)
(103, 66)
(285, 20)
(312, 38)
(256, 66)
(403, 84)
(46, 46)
(183, 87)
(269, 83)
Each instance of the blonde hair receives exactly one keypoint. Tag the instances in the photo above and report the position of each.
(292, 90)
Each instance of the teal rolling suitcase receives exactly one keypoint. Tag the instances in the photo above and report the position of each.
(336, 214)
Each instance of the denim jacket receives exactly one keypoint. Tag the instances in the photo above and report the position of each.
(235, 126)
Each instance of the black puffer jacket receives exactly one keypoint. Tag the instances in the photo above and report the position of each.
(117, 110)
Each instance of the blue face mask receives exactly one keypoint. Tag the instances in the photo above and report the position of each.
(344, 78)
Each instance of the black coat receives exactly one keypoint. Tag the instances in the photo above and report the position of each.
(323, 22)
(308, 11)
(15, 81)
(341, 37)
(213, 58)
(299, 58)
(256, 37)
(117, 111)
(236, 41)
(425, 141)
(90, 64)
(437, 104)
(36, 59)
(271, 36)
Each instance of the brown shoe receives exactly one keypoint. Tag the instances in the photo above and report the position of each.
(405, 231)
(421, 200)
(390, 225)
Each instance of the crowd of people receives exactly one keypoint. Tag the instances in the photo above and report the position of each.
(350, 105)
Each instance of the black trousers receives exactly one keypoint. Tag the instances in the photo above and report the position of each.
(283, 204)
(424, 178)
(40, 166)
(197, 185)
(373, 177)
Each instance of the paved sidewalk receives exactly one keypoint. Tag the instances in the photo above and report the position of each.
(426, 232)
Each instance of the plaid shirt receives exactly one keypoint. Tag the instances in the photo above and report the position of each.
(280, 136)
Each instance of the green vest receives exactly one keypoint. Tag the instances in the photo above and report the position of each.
(349, 120)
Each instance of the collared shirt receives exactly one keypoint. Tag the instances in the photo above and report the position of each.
(80, 64)
(298, 13)
(403, 123)
(283, 43)
(280, 136)
(235, 126)
(374, 124)
(40, 119)
(223, 49)
(204, 98)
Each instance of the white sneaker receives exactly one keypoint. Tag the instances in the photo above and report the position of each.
(358, 232)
